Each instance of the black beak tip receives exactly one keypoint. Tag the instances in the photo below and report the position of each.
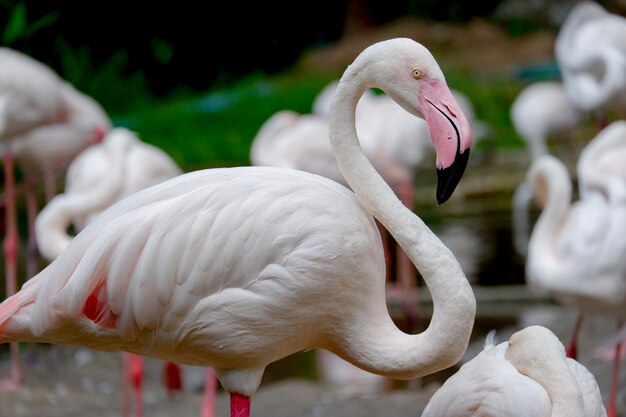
(448, 178)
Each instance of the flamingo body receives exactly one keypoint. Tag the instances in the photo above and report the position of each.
(493, 385)
(590, 50)
(236, 268)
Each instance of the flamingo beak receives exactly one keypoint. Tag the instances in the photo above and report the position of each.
(450, 133)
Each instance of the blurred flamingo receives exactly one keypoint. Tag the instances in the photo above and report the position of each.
(236, 268)
(43, 123)
(540, 112)
(576, 250)
(590, 51)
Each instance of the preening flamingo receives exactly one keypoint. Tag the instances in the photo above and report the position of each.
(96, 179)
(576, 250)
(529, 375)
(43, 123)
(236, 268)
(590, 51)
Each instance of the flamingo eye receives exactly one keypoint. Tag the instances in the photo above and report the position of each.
(417, 73)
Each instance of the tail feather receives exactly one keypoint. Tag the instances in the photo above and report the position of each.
(12, 306)
(8, 308)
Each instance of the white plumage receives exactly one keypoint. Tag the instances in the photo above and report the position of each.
(237, 268)
(527, 376)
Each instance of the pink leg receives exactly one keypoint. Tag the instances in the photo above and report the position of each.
(407, 275)
(133, 372)
(239, 405)
(32, 251)
(172, 378)
(210, 388)
(611, 412)
(11, 243)
(571, 347)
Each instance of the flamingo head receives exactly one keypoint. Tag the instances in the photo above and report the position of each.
(410, 75)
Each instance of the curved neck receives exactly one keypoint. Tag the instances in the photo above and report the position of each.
(542, 247)
(595, 90)
(560, 384)
(446, 339)
(55, 218)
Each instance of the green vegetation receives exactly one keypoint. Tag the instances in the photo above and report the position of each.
(216, 128)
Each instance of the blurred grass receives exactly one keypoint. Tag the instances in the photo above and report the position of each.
(216, 128)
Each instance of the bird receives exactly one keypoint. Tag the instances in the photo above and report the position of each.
(540, 112)
(36, 107)
(543, 111)
(528, 375)
(235, 268)
(101, 175)
(590, 51)
(576, 249)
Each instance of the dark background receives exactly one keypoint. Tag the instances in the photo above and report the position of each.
(198, 44)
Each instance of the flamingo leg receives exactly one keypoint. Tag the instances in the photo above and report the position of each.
(406, 271)
(571, 350)
(239, 405)
(210, 388)
(133, 372)
(611, 410)
(32, 251)
(10, 247)
(172, 378)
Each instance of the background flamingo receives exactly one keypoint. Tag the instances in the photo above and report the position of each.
(590, 51)
(542, 111)
(529, 375)
(576, 250)
(37, 109)
(237, 268)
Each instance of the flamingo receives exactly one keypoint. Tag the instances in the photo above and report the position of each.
(541, 111)
(235, 268)
(590, 50)
(576, 250)
(529, 375)
(37, 110)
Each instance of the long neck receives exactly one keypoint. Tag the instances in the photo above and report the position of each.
(53, 221)
(544, 264)
(394, 353)
(555, 377)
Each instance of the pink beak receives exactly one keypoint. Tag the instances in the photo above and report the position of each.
(450, 133)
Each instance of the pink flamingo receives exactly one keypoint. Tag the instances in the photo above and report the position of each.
(236, 268)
